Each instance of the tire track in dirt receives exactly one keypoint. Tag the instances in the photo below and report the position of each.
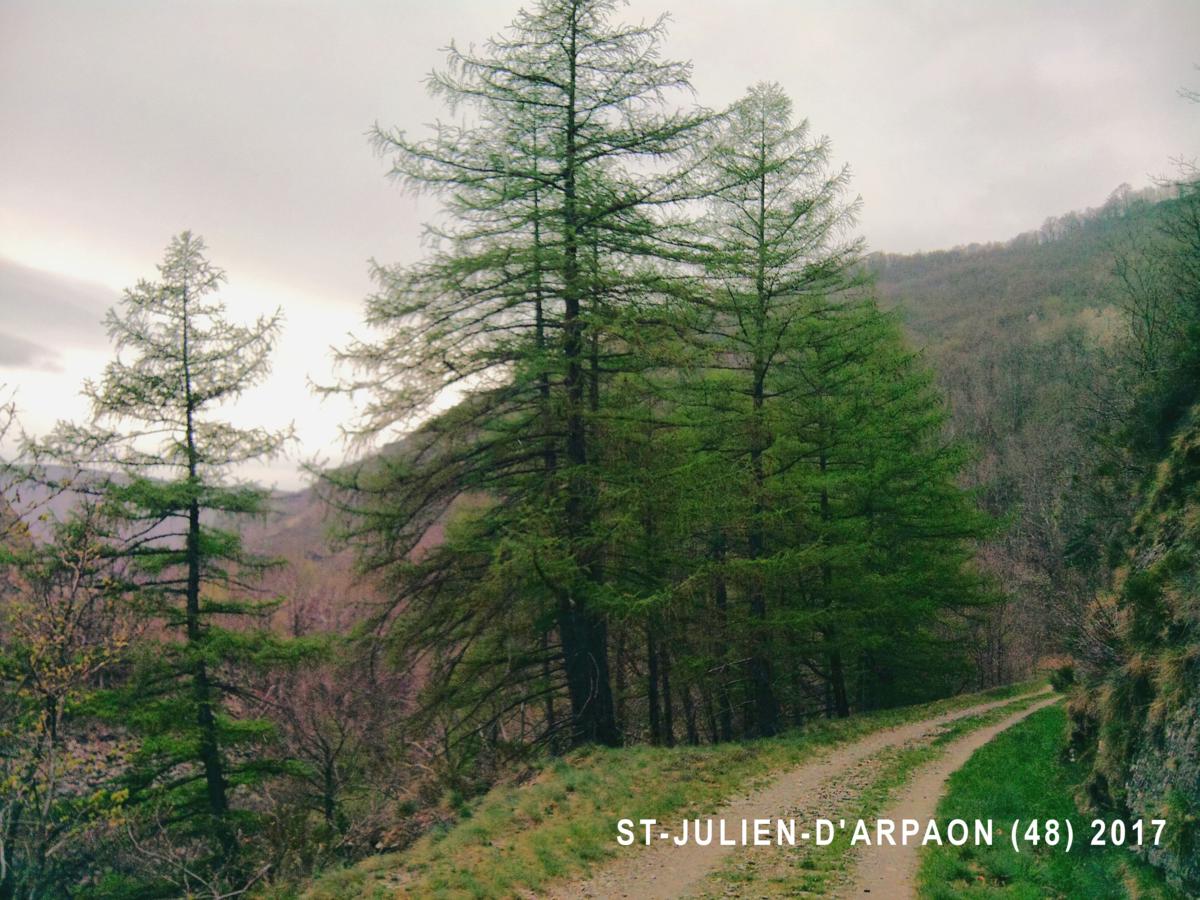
(664, 870)
(891, 872)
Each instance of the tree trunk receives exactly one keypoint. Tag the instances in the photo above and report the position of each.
(766, 708)
(710, 716)
(210, 753)
(721, 601)
(202, 693)
(621, 687)
(548, 711)
(329, 792)
(668, 707)
(584, 637)
(837, 678)
(837, 675)
(584, 633)
(655, 712)
(689, 715)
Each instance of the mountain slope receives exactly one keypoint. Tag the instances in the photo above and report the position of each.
(1060, 271)
(1020, 335)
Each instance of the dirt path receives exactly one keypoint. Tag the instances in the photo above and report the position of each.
(892, 871)
(664, 870)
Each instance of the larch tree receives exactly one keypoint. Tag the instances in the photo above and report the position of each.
(890, 592)
(827, 431)
(780, 266)
(543, 284)
(157, 459)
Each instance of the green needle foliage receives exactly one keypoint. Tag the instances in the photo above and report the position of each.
(544, 284)
(155, 460)
(779, 269)
(692, 477)
(837, 541)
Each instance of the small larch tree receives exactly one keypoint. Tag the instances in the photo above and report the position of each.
(158, 460)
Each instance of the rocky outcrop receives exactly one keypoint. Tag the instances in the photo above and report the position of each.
(1137, 716)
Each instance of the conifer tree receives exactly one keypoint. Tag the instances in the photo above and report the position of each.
(890, 588)
(808, 400)
(156, 458)
(542, 285)
(779, 266)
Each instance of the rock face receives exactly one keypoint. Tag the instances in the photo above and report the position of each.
(1164, 776)
(1137, 717)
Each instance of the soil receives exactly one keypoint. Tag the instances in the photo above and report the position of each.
(813, 789)
(891, 872)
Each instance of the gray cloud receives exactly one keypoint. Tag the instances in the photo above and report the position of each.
(18, 353)
(48, 308)
(127, 121)
(130, 120)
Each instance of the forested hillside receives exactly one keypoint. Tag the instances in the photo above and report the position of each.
(1068, 358)
(1061, 271)
(1027, 339)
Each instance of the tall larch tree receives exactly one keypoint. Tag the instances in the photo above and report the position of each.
(781, 263)
(540, 287)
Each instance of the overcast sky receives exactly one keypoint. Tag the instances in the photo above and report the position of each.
(122, 123)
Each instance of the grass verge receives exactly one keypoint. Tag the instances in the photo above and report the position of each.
(810, 870)
(518, 839)
(1043, 787)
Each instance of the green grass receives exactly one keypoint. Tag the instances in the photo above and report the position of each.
(1022, 774)
(518, 839)
(818, 870)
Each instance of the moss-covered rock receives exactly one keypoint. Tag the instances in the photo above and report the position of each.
(1136, 719)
